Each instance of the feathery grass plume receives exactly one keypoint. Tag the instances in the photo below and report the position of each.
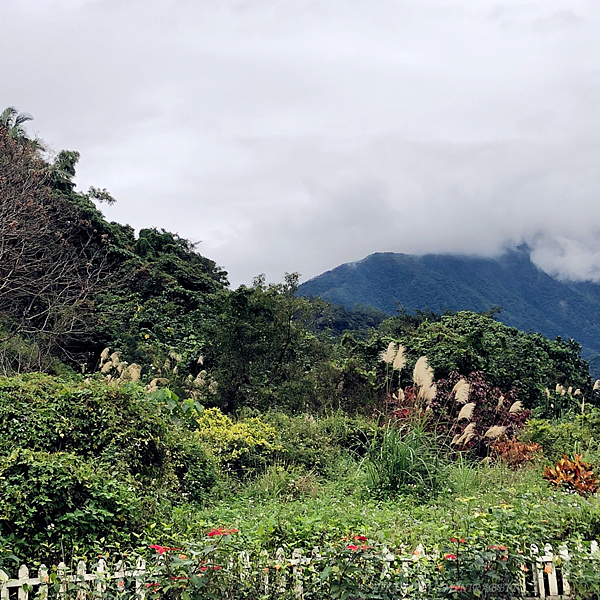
(423, 378)
(133, 372)
(500, 402)
(516, 407)
(175, 356)
(597, 385)
(106, 368)
(200, 378)
(547, 393)
(121, 367)
(577, 392)
(201, 360)
(563, 391)
(104, 356)
(458, 384)
(570, 390)
(466, 412)
(115, 359)
(401, 397)
(153, 385)
(462, 393)
(467, 435)
(557, 388)
(399, 359)
(423, 373)
(388, 355)
(495, 431)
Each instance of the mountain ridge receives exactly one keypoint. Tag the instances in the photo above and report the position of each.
(530, 298)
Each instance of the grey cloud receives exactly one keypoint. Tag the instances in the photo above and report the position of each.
(297, 135)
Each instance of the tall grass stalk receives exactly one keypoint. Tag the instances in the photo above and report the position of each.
(404, 459)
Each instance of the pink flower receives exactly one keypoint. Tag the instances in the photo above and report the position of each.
(450, 557)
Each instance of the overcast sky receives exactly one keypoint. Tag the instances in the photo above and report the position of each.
(295, 135)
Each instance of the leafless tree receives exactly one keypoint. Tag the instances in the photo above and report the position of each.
(52, 260)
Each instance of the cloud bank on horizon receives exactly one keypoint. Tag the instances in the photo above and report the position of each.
(295, 136)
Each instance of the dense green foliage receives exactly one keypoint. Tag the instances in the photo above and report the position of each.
(467, 342)
(530, 299)
(82, 460)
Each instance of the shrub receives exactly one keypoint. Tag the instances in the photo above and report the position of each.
(89, 418)
(580, 434)
(241, 447)
(467, 411)
(194, 468)
(318, 444)
(515, 453)
(576, 475)
(54, 501)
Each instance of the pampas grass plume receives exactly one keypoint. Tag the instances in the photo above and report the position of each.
(495, 431)
(462, 393)
(466, 412)
(516, 407)
(389, 354)
(597, 385)
(500, 402)
(423, 373)
(467, 435)
(400, 358)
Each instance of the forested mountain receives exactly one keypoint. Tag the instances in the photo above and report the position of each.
(530, 299)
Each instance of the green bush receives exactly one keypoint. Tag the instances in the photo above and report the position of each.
(51, 502)
(88, 418)
(318, 444)
(580, 435)
(243, 447)
(194, 468)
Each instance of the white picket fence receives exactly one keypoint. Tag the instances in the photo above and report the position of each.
(546, 579)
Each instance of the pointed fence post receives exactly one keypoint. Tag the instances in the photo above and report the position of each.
(43, 577)
(80, 581)
(3, 584)
(297, 573)
(23, 580)
(61, 571)
(119, 575)
(140, 571)
(265, 555)
(563, 552)
(282, 573)
(100, 577)
(246, 566)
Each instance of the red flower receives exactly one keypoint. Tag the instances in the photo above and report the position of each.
(352, 547)
(158, 548)
(221, 531)
(360, 538)
(450, 557)
(456, 541)
(458, 588)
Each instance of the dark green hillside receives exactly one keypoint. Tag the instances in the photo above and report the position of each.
(530, 299)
